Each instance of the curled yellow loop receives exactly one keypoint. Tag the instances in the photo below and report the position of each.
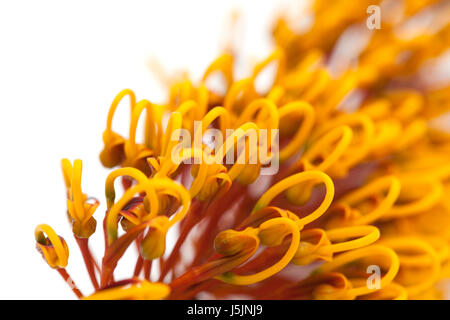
(240, 90)
(210, 117)
(264, 230)
(363, 132)
(190, 111)
(276, 56)
(80, 210)
(113, 151)
(135, 155)
(249, 130)
(315, 157)
(150, 130)
(181, 91)
(425, 257)
(325, 244)
(346, 258)
(150, 187)
(335, 92)
(320, 156)
(266, 119)
(110, 192)
(223, 64)
(52, 247)
(360, 236)
(362, 195)
(291, 181)
(393, 291)
(427, 199)
(172, 133)
(205, 170)
(263, 108)
(179, 156)
(116, 102)
(306, 111)
(112, 217)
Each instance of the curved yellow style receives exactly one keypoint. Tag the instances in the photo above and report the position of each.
(354, 255)
(143, 290)
(53, 247)
(293, 229)
(283, 185)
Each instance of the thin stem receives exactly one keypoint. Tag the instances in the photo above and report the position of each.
(140, 260)
(138, 267)
(194, 216)
(88, 260)
(147, 269)
(70, 282)
(213, 215)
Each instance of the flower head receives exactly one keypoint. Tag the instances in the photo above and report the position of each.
(78, 205)
(361, 170)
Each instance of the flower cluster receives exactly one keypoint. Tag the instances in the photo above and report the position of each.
(357, 209)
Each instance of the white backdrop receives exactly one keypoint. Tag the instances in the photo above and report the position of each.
(61, 64)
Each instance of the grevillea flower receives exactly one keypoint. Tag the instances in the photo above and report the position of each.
(356, 208)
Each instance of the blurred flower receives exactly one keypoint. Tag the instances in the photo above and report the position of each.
(363, 167)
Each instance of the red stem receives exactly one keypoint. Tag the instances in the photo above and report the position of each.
(147, 269)
(88, 260)
(214, 213)
(72, 285)
(138, 267)
(193, 217)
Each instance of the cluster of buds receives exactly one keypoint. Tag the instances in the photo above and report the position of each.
(359, 187)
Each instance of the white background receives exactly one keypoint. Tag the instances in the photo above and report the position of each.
(61, 64)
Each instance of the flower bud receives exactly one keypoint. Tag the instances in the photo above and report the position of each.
(333, 286)
(154, 243)
(273, 235)
(137, 158)
(52, 247)
(309, 248)
(113, 151)
(212, 182)
(300, 193)
(249, 174)
(84, 230)
(231, 242)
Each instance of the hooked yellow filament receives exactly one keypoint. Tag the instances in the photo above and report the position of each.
(278, 266)
(141, 291)
(354, 255)
(39, 233)
(281, 186)
(150, 187)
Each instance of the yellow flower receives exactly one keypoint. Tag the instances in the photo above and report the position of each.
(141, 290)
(78, 205)
(363, 167)
(52, 247)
